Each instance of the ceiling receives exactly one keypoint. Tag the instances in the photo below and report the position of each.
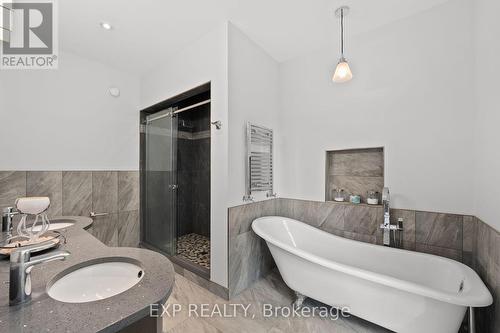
(145, 32)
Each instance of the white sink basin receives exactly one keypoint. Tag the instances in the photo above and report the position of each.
(55, 225)
(96, 282)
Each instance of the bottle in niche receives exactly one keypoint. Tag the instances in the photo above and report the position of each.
(355, 198)
(372, 197)
(339, 195)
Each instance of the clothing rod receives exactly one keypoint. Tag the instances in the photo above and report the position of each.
(180, 110)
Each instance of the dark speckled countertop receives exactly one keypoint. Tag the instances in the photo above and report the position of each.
(44, 314)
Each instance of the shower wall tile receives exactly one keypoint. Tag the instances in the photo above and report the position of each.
(12, 186)
(105, 191)
(435, 229)
(128, 190)
(46, 183)
(193, 179)
(128, 228)
(76, 193)
(200, 203)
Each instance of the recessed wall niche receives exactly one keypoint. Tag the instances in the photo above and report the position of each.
(357, 171)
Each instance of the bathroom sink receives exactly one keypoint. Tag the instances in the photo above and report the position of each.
(95, 282)
(55, 224)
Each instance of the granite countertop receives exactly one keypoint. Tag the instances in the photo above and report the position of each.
(44, 314)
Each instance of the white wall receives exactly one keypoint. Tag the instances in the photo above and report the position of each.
(410, 93)
(244, 82)
(65, 119)
(203, 61)
(487, 47)
(253, 96)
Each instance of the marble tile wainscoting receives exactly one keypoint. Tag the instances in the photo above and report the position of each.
(249, 257)
(486, 263)
(460, 237)
(79, 193)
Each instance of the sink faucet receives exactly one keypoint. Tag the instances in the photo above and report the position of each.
(21, 264)
(7, 215)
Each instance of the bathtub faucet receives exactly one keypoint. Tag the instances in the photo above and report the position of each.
(387, 226)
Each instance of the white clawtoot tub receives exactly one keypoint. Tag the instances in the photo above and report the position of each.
(401, 290)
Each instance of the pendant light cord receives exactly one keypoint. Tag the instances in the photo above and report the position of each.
(342, 33)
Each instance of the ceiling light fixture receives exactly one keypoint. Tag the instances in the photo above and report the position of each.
(343, 71)
(106, 26)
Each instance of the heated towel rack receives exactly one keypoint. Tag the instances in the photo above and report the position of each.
(259, 163)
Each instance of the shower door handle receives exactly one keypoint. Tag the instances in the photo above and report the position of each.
(173, 186)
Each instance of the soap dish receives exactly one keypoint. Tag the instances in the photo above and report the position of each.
(17, 242)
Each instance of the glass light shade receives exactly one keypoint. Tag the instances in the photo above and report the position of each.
(342, 72)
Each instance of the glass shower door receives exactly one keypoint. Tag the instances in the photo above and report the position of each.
(160, 165)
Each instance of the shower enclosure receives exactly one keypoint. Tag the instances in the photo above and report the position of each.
(175, 179)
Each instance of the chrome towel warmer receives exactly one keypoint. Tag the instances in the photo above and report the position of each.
(259, 161)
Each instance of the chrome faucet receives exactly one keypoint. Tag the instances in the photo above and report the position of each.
(387, 226)
(7, 215)
(387, 216)
(21, 264)
(7, 226)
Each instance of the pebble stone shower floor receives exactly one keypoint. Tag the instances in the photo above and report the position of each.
(195, 248)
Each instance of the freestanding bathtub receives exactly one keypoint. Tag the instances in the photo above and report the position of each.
(405, 291)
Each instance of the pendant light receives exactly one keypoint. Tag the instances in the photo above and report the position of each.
(5, 21)
(343, 71)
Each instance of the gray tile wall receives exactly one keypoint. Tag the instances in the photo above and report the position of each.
(486, 262)
(193, 173)
(357, 171)
(79, 193)
(249, 257)
(193, 193)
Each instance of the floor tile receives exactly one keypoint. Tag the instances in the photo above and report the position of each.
(269, 290)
